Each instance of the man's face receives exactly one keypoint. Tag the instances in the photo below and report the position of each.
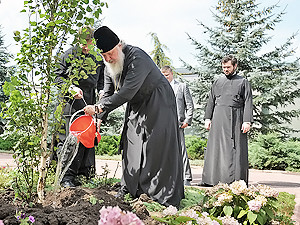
(228, 68)
(85, 48)
(168, 74)
(112, 56)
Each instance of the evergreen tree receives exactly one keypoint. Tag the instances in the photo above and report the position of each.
(243, 31)
(4, 70)
(158, 54)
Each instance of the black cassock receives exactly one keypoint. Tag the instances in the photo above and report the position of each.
(229, 105)
(152, 160)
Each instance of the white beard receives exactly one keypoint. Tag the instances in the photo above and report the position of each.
(115, 69)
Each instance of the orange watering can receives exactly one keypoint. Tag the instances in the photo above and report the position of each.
(85, 130)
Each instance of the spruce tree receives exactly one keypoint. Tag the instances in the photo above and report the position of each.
(158, 54)
(243, 30)
(4, 74)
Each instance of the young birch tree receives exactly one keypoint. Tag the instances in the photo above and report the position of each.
(51, 23)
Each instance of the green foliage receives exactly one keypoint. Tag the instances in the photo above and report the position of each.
(193, 197)
(154, 206)
(4, 75)
(114, 123)
(285, 208)
(243, 30)
(272, 152)
(158, 54)
(5, 178)
(30, 89)
(7, 143)
(253, 205)
(195, 146)
(108, 145)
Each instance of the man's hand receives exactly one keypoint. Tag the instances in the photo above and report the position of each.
(207, 124)
(89, 110)
(184, 125)
(77, 92)
(245, 127)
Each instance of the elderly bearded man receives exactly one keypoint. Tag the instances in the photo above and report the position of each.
(152, 160)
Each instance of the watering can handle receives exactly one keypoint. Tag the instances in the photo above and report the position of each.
(74, 114)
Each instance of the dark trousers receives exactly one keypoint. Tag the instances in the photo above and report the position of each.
(83, 164)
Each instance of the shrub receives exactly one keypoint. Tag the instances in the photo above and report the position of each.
(271, 152)
(108, 145)
(7, 142)
(255, 205)
(195, 146)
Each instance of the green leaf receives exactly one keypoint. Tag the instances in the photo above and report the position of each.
(50, 24)
(269, 212)
(33, 23)
(89, 9)
(242, 213)
(228, 210)
(251, 217)
(59, 21)
(261, 219)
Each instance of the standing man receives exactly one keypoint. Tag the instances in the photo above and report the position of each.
(228, 116)
(185, 108)
(83, 92)
(151, 157)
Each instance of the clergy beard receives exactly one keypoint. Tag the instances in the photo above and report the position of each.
(114, 69)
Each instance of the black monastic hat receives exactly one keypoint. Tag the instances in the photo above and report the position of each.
(106, 39)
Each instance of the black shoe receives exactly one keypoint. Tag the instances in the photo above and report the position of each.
(67, 184)
(201, 184)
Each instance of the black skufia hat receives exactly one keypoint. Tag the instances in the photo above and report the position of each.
(106, 39)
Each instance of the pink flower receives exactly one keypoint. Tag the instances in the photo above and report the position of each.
(115, 216)
(31, 219)
(1, 222)
(254, 205)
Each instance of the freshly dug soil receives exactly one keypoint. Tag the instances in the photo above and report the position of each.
(69, 206)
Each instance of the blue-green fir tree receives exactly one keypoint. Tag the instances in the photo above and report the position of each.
(243, 29)
(4, 74)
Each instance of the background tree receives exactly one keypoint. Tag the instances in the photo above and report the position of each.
(158, 54)
(51, 22)
(4, 74)
(243, 31)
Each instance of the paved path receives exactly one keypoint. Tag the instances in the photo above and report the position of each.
(280, 180)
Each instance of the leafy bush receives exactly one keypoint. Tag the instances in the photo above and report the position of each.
(195, 146)
(7, 143)
(255, 204)
(271, 152)
(232, 204)
(108, 145)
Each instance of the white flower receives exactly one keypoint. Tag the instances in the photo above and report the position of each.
(262, 199)
(228, 220)
(170, 211)
(254, 205)
(267, 191)
(190, 213)
(205, 220)
(222, 198)
(238, 187)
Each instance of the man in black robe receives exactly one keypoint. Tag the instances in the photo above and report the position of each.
(228, 116)
(151, 157)
(83, 92)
